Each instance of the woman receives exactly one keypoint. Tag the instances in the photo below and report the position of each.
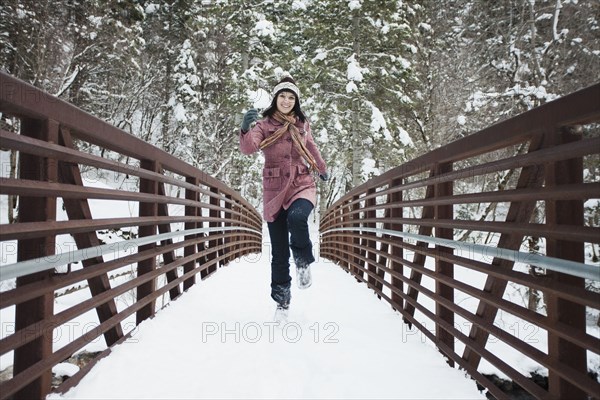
(289, 190)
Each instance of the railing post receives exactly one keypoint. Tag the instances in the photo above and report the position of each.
(41, 210)
(190, 211)
(324, 239)
(236, 247)
(419, 258)
(445, 268)
(213, 243)
(355, 223)
(80, 209)
(371, 244)
(169, 256)
(518, 212)
(565, 212)
(397, 251)
(343, 248)
(149, 264)
(227, 240)
(335, 248)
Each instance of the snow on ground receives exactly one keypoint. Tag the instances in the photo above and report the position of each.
(219, 341)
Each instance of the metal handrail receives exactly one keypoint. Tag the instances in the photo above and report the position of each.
(581, 270)
(23, 268)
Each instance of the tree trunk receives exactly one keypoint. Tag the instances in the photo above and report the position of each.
(356, 142)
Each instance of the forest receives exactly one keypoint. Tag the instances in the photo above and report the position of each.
(382, 81)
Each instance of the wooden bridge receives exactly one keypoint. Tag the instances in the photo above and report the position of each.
(382, 232)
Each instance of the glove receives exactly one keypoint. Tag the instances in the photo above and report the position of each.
(250, 117)
(324, 176)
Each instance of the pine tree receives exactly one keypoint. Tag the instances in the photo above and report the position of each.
(357, 57)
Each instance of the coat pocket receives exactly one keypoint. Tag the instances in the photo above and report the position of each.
(302, 169)
(272, 178)
(303, 177)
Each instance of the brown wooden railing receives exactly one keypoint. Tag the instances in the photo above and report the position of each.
(213, 225)
(381, 233)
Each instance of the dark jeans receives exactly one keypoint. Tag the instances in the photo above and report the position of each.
(289, 230)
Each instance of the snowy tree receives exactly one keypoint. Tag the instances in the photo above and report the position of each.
(529, 53)
(359, 68)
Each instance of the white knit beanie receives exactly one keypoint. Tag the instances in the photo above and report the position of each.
(286, 85)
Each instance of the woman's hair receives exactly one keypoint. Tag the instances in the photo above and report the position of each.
(269, 111)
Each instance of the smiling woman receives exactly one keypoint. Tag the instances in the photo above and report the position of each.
(289, 191)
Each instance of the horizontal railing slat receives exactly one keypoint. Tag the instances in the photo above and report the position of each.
(28, 230)
(587, 298)
(577, 233)
(564, 152)
(23, 187)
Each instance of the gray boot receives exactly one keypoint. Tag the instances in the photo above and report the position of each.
(281, 313)
(303, 276)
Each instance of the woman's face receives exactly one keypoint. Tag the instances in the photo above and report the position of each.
(285, 102)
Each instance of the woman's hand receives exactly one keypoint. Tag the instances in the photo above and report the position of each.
(250, 117)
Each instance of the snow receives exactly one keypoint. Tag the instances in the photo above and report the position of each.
(321, 55)
(264, 28)
(337, 330)
(354, 70)
(592, 203)
(179, 113)
(300, 5)
(152, 8)
(259, 98)
(377, 119)
(403, 62)
(354, 4)
(65, 369)
(425, 26)
(461, 119)
(538, 92)
(405, 137)
(96, 21)
(351, 87)
(369, 168)
(412, 48)
(279, 72)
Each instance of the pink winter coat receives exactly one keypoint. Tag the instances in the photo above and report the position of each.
(286, 177)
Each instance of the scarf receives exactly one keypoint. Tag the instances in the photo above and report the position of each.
(289, 124)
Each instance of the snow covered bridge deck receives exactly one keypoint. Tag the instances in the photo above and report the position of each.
(219, 341)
